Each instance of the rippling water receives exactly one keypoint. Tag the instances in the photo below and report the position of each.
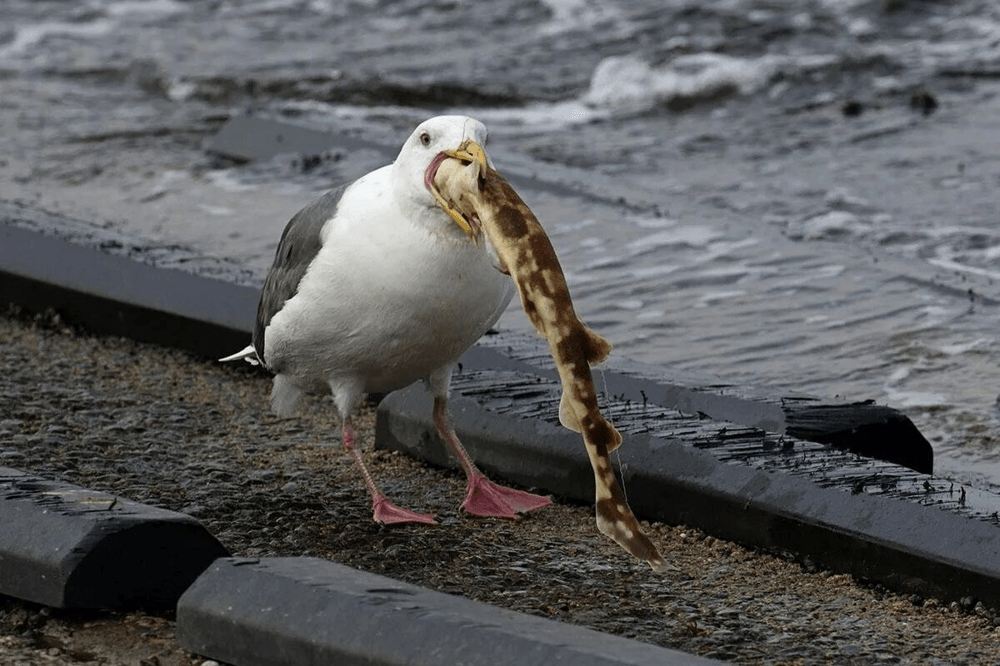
(800, 194)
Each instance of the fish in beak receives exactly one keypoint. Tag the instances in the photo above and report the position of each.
(474, 155)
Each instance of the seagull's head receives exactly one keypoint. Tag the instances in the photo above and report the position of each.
(430, 142)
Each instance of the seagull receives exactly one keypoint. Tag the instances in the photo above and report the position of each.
(374, 287)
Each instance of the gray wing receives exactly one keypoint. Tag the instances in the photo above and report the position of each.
(299, 244)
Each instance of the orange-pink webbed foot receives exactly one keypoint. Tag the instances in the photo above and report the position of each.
(387, 513)
(488, 499)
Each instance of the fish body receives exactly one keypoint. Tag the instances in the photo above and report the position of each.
(490, 206)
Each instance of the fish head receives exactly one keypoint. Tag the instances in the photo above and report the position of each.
(468, 179)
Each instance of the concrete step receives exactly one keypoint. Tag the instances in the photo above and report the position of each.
(309, 611)
(68, 547)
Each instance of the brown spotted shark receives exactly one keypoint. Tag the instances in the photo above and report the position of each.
(480, 200)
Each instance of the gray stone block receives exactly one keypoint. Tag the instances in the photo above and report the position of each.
(307, 611)
(69, 547)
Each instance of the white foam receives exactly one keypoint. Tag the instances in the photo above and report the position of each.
(903, 398)
(180, 90)
(653, 222)
(628, 83)
(915, 398)
(630, 304)
(26, 36)
(651, 314)
(963, 347)
(898, 375)
(692, 236)
(649, 272)
(221, 211)
(959, 230)
(714, 297)
(935, 315)
(160, 7)
(952, 265)
(540, 116)
(226, 179)
(834, 224)
(571, 14)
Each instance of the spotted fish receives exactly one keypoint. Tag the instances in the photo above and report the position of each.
(481, 201)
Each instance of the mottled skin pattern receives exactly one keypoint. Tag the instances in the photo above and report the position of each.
(489, 204)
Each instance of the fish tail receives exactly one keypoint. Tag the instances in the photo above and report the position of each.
(614, 517)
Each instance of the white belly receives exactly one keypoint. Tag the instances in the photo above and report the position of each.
(385, 303)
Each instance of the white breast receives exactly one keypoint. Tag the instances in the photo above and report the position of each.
(391, 296)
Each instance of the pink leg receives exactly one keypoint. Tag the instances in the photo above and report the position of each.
(483, 497)
(384, 511)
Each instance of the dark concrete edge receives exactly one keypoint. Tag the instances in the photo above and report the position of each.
(68, 547)
(113, 295)
(865, 428)
(312, 611)
(906, 546)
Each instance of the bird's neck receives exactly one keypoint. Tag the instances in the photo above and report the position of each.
(418, 206)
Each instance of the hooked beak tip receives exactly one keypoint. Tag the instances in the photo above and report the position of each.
(474, 154)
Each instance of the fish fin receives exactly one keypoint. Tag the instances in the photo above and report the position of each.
(595, 348)
(617, 441)
(566, 416)
(569, 420)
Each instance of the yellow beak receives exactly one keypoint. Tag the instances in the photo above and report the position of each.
(471, 152)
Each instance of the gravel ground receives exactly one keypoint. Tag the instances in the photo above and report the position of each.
(160, 427)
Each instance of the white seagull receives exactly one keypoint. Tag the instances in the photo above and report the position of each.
(374, 287)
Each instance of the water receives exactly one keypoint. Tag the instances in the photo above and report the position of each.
(797, 194)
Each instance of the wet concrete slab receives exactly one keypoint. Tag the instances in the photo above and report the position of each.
(312, 611)
(69, 547)
(862, 427)
(115, 295)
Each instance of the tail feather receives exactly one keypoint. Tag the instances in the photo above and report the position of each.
(248, 354)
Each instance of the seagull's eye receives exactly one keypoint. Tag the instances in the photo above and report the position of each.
(425, 138)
